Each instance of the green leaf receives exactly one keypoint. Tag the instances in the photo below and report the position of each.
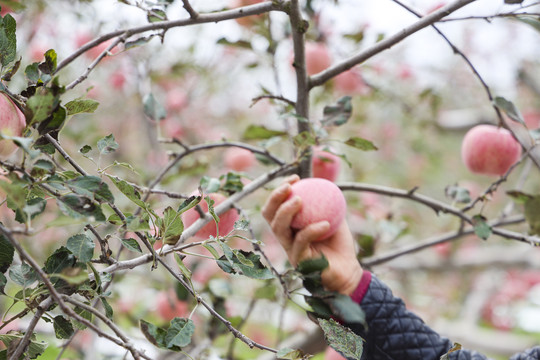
(305, 139)
(42, 167)
(107, 145)
(85, 149)
(32, 73)
(342, 339)
(91, 187)
(31, 209)
(244, 263)
(233, 183)
(532, 214)
(210, 184)
(81, 246)
(80, 207)
(35, 348)
(6, 254)
(189, 203)
(63, 328)
(156, 15)
(519, 196)
(155, 335)
(458, 194)
(241, 225)
(8, 40)
(153, 109)
(81, 105)
(347, 310)
(179, 333)
(530, 20)
(338, 114)
(61, 259)
(132, 244)
(362, 144)
(267, 291)
(108, 309)
(42, 106)
(3, 282)
(509, 108)
(481, 227)
(23, 274)
(49, 65)
(290, 354)
(85, 315)
(456, 347)
(313, 265)
(257, 132)
(129, 191)
(242, 44)
(171, 226)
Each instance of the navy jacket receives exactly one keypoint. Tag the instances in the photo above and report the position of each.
(394, 333)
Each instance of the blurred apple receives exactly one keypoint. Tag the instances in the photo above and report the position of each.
(238, 159)
(325, 164)
(247, 21)
(532, 119)
(317, 57)
(12, 123)
(226, 220)
(176, 100)
(489, 150)
(168, 306)
(350, 82)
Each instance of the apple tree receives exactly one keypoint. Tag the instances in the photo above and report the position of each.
(140, 139)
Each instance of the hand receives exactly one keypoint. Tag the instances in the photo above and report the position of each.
(344, 271)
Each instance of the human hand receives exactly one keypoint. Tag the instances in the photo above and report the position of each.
(344, 271)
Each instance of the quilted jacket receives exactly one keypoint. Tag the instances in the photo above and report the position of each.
(394, 333)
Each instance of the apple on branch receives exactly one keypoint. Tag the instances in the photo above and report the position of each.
(12, 123)
(325, 164)
(226, 220)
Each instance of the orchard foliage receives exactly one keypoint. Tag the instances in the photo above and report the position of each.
(130, 215)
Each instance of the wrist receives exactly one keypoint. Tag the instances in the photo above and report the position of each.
(354, 279)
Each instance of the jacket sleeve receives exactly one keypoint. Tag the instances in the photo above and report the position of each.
(394, 333)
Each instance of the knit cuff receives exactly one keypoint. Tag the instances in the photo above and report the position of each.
(362, 287)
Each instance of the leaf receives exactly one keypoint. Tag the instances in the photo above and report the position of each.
(244, 263)
(61, 259)
(290, 354)
(80, 207)
(153, 109)
(347, 310)
(481, 227)
(189, 203)
(108, 309)
(42, 167)
(233, 183)
(312, 265)
(529, 20)
(509, 108)
(154, 334)
(49, 65)
(456, 347)
(257, 132)
(92, 187)
(129, 191)
(85, 315)
(242, 44)
(42, 106)
(6, 254)
(81, 246)
(532, 215)
(458, 194)
(362, 144)
(179, 333)
(305, 139)
(342, 339)
(132, 244)
(338, 114)
(8, 40)
(81, 105)
(63, 328)
(519, 196)
(241, 225)
(107, 144)
(85, 149)
(23, 274)
(35, 348)
(210, 184)
(171, 226)
(3, 282)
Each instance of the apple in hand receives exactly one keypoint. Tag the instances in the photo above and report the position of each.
(226, 220)
(325, 165)
(322, 200)
(238, 159)
(12, 123)
(489, 150)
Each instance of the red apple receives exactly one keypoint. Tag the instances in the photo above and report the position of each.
(489, 150)
(325, 164)
(247, 21)
(12, 123)
(169, 306)
(331, 354)
(350, 82)
(238, 159)
(317, 57)
(322, 200)
(532, 119)
(226, 220)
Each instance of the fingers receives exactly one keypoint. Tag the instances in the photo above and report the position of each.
(302, 244)
(277, 197)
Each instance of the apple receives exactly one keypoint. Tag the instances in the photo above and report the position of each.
(176, 100)
(247, 21)
(238, 159)
(317, 57)
(489, 150)
(331, 354)
(226, 220)
(12, 123)
(532, 119)
(350, 82)
(325, 165)
(322, 200)
(169, 306)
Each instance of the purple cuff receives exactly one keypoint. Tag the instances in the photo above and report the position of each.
(362, 287)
